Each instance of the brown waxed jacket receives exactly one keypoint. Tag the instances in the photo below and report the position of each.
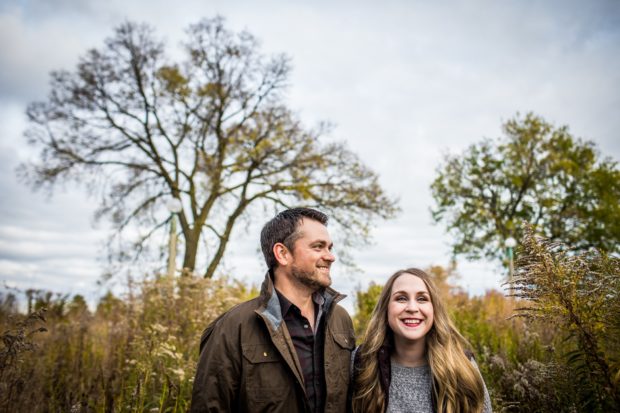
(248, 362)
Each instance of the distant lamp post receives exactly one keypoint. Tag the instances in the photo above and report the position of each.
(510, 244)
(174, 206)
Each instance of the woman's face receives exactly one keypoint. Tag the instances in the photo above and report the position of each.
(410, 310)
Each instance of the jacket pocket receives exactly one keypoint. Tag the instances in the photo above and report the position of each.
(266, 382)
(260, 353)
(344, 340)
(337, 367)
(339, 356)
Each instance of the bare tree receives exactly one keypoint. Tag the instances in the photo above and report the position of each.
(211, 130)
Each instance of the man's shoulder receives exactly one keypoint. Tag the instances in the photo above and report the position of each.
(340, 311)
(231, 320)
(239, 313)
(340, 318)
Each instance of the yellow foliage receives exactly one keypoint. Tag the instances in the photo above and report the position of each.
(134, 354)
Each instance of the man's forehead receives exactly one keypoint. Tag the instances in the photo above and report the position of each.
(310, 223)
(309, 228)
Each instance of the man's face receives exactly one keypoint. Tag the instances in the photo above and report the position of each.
(312, 256)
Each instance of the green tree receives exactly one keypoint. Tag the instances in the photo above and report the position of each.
(211, 130)
(78, 307)
(365, 302)
(535, 173)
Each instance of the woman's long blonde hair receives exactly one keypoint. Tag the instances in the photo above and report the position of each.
(457, 384)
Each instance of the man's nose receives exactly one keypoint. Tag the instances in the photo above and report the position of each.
(329, 256)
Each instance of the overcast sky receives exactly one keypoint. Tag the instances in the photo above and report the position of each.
(403, 81)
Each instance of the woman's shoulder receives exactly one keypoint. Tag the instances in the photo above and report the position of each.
(472, 358)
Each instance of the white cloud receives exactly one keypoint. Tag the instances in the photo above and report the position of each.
(403, 82)
(29, 51)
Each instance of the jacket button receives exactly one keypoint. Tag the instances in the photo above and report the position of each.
(265, 354)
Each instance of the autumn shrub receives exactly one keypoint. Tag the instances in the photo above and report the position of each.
(530, 386)
(17, 342)
(517, 359)
(578, 294)
(365, 302)
(133, 353)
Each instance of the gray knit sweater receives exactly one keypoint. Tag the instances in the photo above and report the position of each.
(411, 387)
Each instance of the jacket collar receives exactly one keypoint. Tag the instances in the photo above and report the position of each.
(270, 304)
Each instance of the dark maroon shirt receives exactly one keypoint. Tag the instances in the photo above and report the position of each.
(309, 347)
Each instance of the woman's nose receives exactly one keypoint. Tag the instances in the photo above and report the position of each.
(412, 306)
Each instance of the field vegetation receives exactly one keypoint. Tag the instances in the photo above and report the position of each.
(550, 346)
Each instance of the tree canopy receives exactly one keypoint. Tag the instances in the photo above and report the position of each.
(211, 129)
(535, 173)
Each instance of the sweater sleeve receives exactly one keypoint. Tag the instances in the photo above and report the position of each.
(487, 408)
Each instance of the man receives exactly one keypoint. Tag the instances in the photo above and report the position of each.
(289, 349)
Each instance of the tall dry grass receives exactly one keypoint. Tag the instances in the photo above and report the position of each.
(138, 352)
(132, 354)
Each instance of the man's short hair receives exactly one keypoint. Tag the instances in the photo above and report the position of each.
(283, 228)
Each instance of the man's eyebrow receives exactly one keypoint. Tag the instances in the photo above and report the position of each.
(321, 242)
(318, 241)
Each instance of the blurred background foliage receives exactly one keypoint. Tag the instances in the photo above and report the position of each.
(135, 353)
(551, 345)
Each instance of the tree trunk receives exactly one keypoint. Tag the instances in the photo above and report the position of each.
(191, 249)
(215, 261)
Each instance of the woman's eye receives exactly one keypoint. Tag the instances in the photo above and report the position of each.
(401, 299)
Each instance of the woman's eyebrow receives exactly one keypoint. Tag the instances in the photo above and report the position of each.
(405, 292)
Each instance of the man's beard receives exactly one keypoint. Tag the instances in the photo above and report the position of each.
(309, 278)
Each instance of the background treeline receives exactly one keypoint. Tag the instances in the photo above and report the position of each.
(553, 346)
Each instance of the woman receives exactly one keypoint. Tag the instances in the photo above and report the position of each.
(413, 359)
